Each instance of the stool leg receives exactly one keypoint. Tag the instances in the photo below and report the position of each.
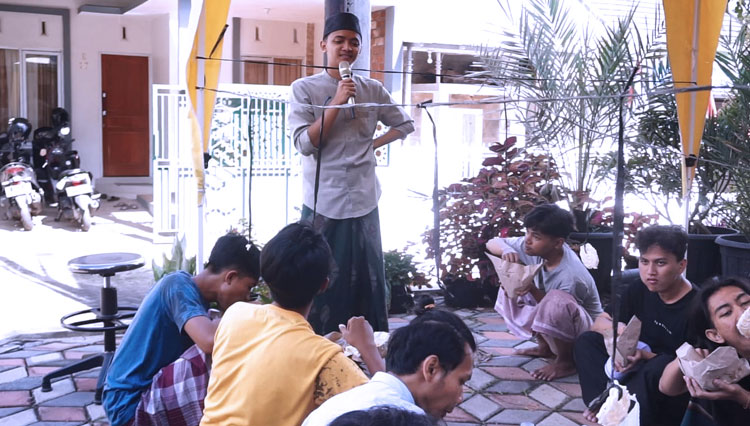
(108, 306)
(106, 362)
(83, 365)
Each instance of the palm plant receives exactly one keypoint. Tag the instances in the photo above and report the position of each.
(576, 75)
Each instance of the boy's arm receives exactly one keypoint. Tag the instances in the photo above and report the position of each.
(499, 247)
(672, 382)
(202, 330)
(358, 333)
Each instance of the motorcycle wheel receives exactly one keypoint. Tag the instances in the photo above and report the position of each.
(25, 214)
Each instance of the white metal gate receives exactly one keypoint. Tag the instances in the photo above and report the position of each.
(245, 116)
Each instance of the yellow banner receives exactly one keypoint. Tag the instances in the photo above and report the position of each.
(211, 24)
(693, 28)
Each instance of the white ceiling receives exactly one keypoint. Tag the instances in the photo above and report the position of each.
(270, 10)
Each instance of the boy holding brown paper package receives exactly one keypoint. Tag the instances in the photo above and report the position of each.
(660, 300)
(561, 300)
(713, 373)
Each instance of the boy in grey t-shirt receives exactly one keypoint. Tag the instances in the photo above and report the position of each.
(563, 302)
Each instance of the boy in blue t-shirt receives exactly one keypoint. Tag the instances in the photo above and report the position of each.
(172, 318)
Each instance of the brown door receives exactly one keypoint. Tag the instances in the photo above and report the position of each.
(284, 75)
(256, 73)
(125, 132)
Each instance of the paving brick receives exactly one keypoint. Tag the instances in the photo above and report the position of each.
(572, 389)
(516, 402)
(63, 387)
(509, 387)
(575, 405)
(14, 398)
(76, 423)
(570, 379)
(518, 416)
(527, 344)
(75, 399)
(500, 351)
(13, 361)
(7, 411)
(22, 418)
(94, 372)
(492, 327)
(55, 346)
(535, 364)
(22, 354)
(25, 383)
(503, 335)
(96, 412)
(43, 359)
(13, 374)
(577, 418)
(556, 419)
(85, 383)
(91, 348)
(491, 320)
(40, 371)
(10, 347)
(498, 343)
(509, 373)
(480, 379)
(480, 407)
(75, 354)
(478, 338)
(548, 396)
(459, 415)
(62, 414)
(507, 361)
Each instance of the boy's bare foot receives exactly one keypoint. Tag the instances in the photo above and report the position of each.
(554, 370)
(588, 415)
(536, 351)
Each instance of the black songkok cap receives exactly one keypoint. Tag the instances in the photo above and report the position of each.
(342, 21)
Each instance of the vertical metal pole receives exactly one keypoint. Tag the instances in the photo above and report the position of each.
(201, 121)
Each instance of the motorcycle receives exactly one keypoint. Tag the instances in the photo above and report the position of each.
(70, 188)
(21, 195)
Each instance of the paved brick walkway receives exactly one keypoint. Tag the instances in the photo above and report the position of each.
(501, 391)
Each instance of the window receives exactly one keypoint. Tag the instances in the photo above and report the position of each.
(272, 71)
(30, 86)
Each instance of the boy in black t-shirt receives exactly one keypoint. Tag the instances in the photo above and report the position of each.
(660, 299)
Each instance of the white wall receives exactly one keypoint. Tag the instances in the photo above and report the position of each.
(24, 30)
(276, 39)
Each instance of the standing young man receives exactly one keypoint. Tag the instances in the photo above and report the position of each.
(172, 318)
(347, 200)
(661, 300)
(563, 300)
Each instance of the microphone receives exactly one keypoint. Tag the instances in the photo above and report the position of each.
(345, 71)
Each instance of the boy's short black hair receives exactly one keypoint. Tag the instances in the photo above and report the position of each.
(382, 415)
(233, 251)
(295, 263)
(412, 344)
(700, 318)
(449, 318)
(549, 219)
(671, 238)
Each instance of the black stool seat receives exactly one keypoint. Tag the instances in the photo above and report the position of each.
(111, 317)
(106, 264)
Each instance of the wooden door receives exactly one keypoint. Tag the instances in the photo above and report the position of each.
(256, 73)
(125, 121)
(284, 75)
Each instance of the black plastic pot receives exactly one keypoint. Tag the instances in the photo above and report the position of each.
(704, 255)
(401, 300)
(462, 293)
(735, 255)
(602, 243)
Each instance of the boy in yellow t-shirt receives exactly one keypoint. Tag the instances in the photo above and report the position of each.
(268, 364)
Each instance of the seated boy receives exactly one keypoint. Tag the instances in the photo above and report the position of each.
(428, 362)
(269, 367)
(661, 300)
(173, 317)
(564, 300)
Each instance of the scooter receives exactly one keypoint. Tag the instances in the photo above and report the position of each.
(21, 196)
(71, 188)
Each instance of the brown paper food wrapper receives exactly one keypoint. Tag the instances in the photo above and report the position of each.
(515, 278)
(723, 363)
(627, 341)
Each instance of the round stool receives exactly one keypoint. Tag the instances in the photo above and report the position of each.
(108, 318)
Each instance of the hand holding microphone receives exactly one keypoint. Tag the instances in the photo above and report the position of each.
(346, 85)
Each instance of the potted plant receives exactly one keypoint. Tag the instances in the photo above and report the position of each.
(490, 204)
(401, 273)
